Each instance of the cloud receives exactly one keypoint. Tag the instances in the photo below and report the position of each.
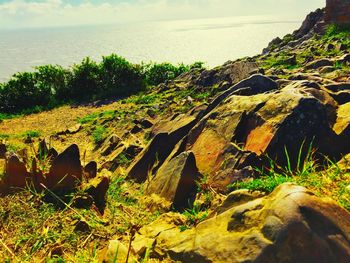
(43, 13)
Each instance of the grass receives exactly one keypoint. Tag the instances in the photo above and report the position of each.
(99, 134)
(331, 181)
(36, 231)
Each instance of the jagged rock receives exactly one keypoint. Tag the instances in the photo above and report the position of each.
(342, 124)
(146, 236)
(231, 72)
(289, 225)
(326, 69)
(116, 252)
(176, 180)
(167, 135)
(344, 59)
(337, 11)
(90, 170)
(122, 156)
(136, 129)
(110, 145)
(323, 62)
(72, 130)
(144, 123)
(3, 151)
(338, 87)
(265, 124)
(66, 171)
(16, 175)
(52, 153)
(97, 188)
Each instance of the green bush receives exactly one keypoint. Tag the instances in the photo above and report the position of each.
(159, 73)
(52, 85)
(120, 77)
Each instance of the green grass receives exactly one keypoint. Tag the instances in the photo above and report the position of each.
(99, 134)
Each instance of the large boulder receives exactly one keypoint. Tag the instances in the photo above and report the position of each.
(290, 225)
(176, 180)
(265, 124)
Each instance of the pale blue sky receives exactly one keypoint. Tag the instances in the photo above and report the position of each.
(38, 13)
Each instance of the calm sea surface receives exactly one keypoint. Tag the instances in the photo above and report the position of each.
(213, 41)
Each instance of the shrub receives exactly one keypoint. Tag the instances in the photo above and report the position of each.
(120, 77)
(85, 80)
(159, 73)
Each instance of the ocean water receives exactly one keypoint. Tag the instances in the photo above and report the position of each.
(213, 41)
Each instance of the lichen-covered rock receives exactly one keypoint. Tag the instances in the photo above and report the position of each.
(289, 225)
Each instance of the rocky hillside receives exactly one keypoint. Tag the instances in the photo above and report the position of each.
(246, 162)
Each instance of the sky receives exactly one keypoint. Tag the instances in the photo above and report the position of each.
(50, 13)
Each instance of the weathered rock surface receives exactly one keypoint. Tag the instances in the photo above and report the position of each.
(176, 180)
(338, 11)
(290, 225)
(65, 171)
(116, 252)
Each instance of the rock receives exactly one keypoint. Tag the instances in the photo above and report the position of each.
(337, 11)
(52, 154)
(289, 225)
(16, 175)
(338, 87)
(231, 72)
(116, 252)
(146, 236)
(83, 201)
(97, 188)
(82, 226)
(344, 163)
(110, 145)
(326, 69)
(3, 150)
(136, 129)
(344, 59)
(167, 135)
(66, 171)
(341, 97)
(74, 129)
(176, 180)
(90, 170)
(144, 123)
(253, 85)
(122, 156)
(342, 124)
(323, 62)
(263, 124)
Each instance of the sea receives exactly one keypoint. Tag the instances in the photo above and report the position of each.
(213, 41)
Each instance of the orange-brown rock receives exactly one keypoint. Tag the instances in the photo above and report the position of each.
(289, 225)
(176, 181)
(66, 170)
(338, 11)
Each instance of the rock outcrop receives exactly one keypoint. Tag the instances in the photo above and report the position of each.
(338, 11)
(176, 181)
(290, 225)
